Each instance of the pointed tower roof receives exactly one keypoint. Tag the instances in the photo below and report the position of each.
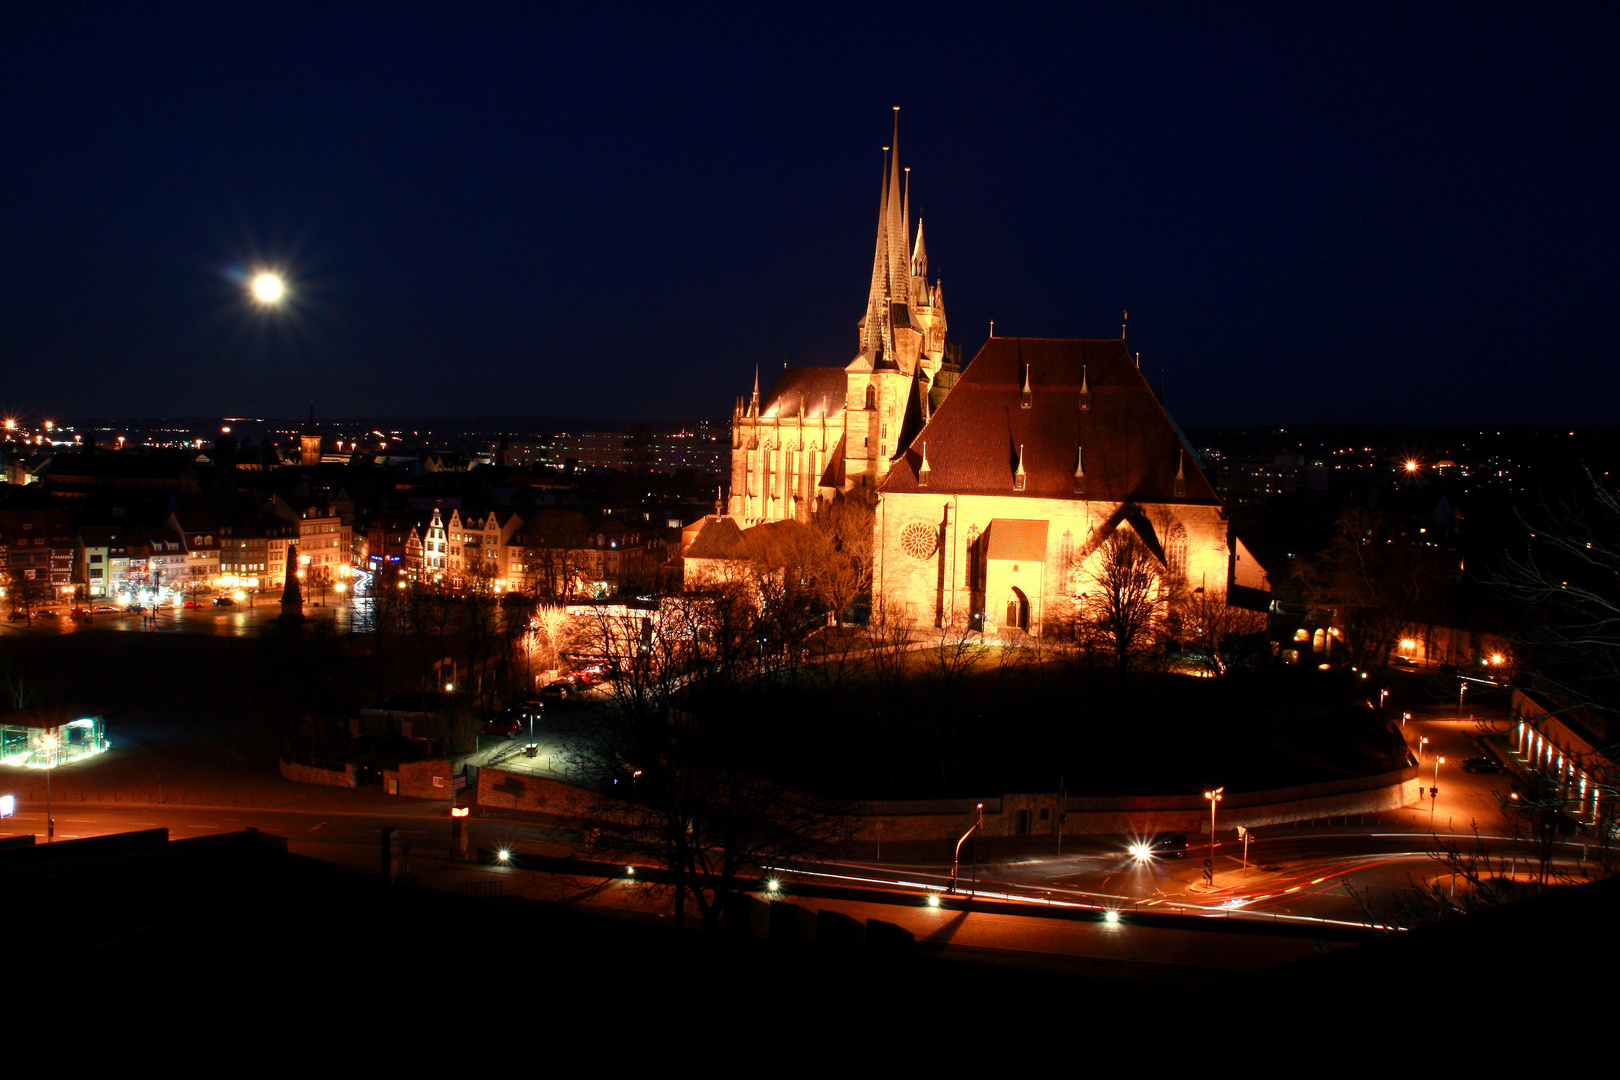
(919, 252)
(891, 259)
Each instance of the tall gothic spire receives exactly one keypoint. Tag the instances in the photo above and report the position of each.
(898, 206)
(891, 257)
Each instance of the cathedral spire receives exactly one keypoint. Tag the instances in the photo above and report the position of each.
(919, 252)
(898, 205)
(891, 257)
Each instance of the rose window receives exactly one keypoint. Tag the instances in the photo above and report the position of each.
(919, 539)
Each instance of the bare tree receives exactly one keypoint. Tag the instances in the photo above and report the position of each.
(1380, 580)
(1215, 635)
(846, 571)
(688, 770)
(1564, 585)
(1123, 613)
(888, 640)
(27, 591)
(559, 549)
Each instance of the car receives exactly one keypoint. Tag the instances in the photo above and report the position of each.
(224, 601)
(1167, 845)
(1403, 661)
(48, 613)
(17, 616)
(190, 603)
(1483, 765)
(507, 722)
(106, 609)
(558, 689)
(79, 613)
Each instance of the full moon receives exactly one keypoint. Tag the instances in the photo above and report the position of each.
(268, 288)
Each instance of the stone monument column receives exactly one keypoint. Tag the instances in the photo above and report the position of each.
(292, 597)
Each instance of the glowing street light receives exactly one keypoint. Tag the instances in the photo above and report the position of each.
(1214, 798)
(50, 741)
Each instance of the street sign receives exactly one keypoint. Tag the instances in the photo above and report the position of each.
(1209, 875)
(8, 805)
(1434, 792)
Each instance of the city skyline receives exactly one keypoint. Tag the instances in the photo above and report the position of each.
(1391, 216)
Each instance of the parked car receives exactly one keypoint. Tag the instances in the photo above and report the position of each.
(224, 601)
(1403, 661)
(79, 613)
(47, 613)
(1167, 845)
(190, 603)
(507, 722)
(17, 616)
(1483, 765)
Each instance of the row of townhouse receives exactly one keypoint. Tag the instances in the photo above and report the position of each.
(36, 554)
(44, 557)
(553, 553)
(253, 554)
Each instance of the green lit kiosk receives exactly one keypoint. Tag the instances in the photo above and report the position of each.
(48, 736)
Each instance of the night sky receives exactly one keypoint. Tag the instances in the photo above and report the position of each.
(1314, 213)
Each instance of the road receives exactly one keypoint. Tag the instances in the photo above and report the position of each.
(1294, 874)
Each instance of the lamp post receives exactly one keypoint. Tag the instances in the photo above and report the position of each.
(1422, 740)
(956, 859)
(1461, 687)
(1214, 797)
(50, 742)
(1434, 789)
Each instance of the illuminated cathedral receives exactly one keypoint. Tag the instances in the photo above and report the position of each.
(822, 430)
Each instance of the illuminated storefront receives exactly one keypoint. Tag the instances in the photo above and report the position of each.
(49, 737)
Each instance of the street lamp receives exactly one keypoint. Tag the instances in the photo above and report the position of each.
(1422, 741)
(1214, 797)
(956, 859)
(50, 741)
(1434, 791)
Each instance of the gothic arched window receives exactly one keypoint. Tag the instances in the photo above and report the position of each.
(871, 397)
(1176, 552)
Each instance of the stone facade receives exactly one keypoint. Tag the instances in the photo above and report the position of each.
(997, 514)
(937, 560)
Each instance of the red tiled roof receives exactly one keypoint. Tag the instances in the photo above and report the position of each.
(1132, 448)
(809, 385)
(1016, 539)
(720, 538)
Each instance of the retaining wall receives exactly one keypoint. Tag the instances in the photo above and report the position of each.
(420, 780)
(1022, 815)
(498, 790)
(338, 776)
